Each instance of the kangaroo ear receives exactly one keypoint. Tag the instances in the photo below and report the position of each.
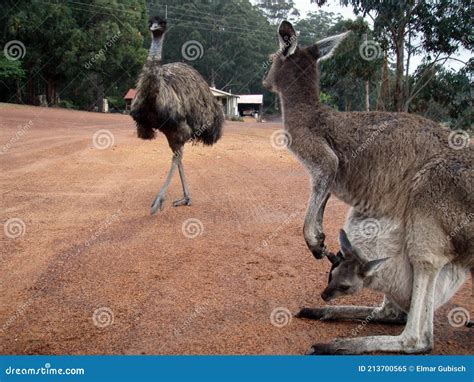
(348, 250)
(371, 267)
(287, 38)
(333, 258)
(325, 48)
(346, 246)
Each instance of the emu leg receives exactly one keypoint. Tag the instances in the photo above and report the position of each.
(160, 197)
(186, 200)
(417, 337)
(387, 313)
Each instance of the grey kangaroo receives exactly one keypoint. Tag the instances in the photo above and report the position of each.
(395, 169)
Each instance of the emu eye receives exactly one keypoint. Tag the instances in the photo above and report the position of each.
(344, 287)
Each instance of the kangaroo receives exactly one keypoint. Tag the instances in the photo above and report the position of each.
(395, 168)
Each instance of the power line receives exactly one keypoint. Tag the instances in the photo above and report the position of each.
(210, 18)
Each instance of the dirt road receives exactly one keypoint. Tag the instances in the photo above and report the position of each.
(86, 270)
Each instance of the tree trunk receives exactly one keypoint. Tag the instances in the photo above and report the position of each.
(100, 94)
(51, 92)
(399, 51)
(367, 100)
(383, 98)
(18, 92)
(367, 105)
(31, 88)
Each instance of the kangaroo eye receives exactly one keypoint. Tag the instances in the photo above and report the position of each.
(344, 287)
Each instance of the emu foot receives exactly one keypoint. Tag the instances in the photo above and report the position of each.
(157, 204)
(186, 201)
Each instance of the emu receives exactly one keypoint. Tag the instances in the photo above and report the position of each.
(392, 167)
(176, 100)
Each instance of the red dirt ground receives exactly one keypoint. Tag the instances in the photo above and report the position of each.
(89, 242)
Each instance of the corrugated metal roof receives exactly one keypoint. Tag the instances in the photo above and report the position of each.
(250, 98)
(218, 93)
(130, 94)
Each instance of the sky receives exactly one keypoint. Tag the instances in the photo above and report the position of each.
(305, 6)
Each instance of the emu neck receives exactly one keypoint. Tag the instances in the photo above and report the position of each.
(156, 48)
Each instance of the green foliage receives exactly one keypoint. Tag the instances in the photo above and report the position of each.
(67, 104)
(76, 50)
(276, 11)
(316, 26)
(80, 51)
(447, 98)
(236, 40)
(344, 75)
(116, 102)
(11, 70)
(236, 119)
(437, 27)
(326, 99)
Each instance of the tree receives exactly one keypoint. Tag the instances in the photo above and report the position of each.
(111, 51)
(227, 42)
(11, 73)
(45, 30)
(447, 97)
(316, 26)
(411, 27)
(71, 48)
(346, 77)
(278, 10)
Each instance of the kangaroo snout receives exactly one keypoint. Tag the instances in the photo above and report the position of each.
(326, 295)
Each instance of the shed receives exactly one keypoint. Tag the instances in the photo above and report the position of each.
(228, 101)
(250, 104)
(129, 98)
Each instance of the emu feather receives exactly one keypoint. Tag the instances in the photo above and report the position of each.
(175, 100)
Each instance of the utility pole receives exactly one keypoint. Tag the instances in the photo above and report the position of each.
(367, 100)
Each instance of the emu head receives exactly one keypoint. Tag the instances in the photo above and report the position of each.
(349, 270)
(290, 62)
(157, 26)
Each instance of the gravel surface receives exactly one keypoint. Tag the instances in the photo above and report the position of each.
(86, 270)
